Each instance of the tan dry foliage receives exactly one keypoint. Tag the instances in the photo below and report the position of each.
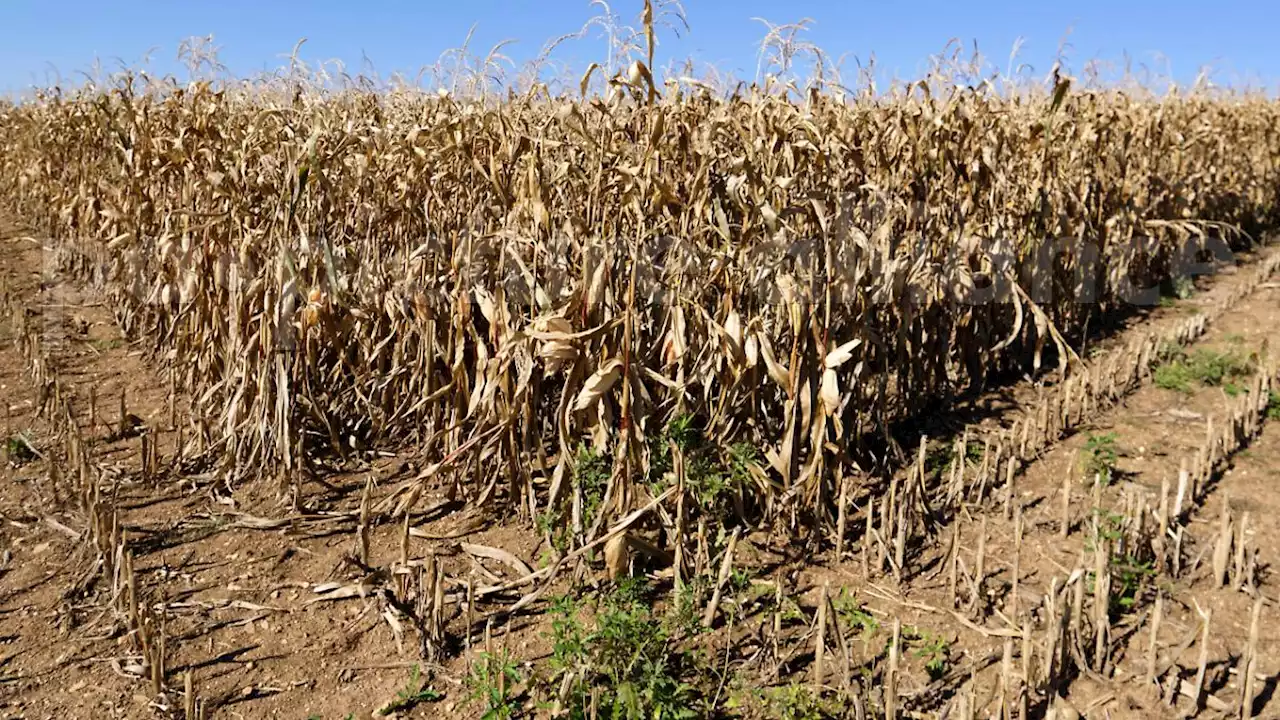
(498, 282)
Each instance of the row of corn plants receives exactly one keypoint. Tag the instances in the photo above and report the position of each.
(515, 283)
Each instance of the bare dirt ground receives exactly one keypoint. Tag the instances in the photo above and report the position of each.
(234, 571)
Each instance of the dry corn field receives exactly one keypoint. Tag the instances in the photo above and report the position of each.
(645, 403)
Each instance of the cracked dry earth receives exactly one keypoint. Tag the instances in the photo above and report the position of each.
(231, 573)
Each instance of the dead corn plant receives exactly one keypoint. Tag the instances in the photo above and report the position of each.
(505, 283)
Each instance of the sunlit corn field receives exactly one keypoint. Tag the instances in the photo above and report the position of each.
(646, 315)
(506, 281)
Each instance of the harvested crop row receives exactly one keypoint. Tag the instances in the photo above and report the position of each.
(504, 283)
(982, 462)
(1070, 580)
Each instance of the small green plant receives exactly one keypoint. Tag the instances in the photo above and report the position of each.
(18, 449)
(1174, 376)
(940, 458)
(798, 702)
(933, 649)
(1273, 405)
(1216, 368)
(853, 615)
(551, 524)
(788, 608)
(708, 482)
(591, 474)
(682, 432)
(491, 681)
(712, 478)
(411, 695)
(1111, 527)
(567, 634)
(1129, 572)
(1128, 576)
(742, 456)
(634, 656)
(1100, 455)
(1184, 372)
(628, 651)
(683, 617)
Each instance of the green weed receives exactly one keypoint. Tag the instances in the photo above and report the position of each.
(798, 702)
(933, 649)
(940, 458)
(789, 609)
(551, 524)
(682, 432)
(1111, 527)
(591, 474)
(1128, 577)
(634, 656)
(854, 617)
(569, 644)
(491, 681)
(1129, 573)
(412, 694)
(18, 448)
(1100, 455)
(629, 652)
(1273, 405)
(742, 456)
(1174, 376)
(684, 615)
(1184, 372)
(713, 481)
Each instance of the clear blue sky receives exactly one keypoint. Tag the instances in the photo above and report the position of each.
(1237, 37)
